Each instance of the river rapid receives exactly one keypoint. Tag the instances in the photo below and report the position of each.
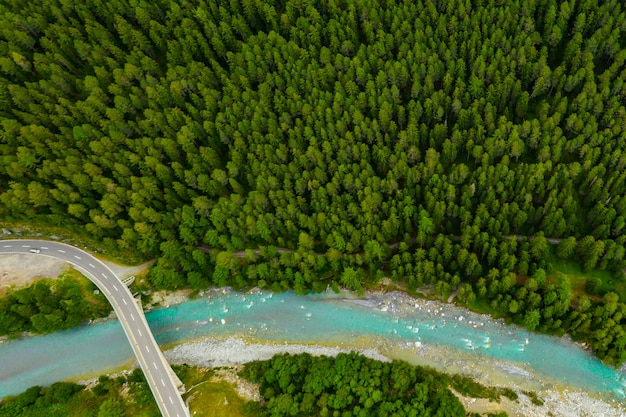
(389, 324)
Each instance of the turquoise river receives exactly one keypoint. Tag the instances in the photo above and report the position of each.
(383, 320)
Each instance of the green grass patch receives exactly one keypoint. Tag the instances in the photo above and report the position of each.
(215, 399)
(574, 270)
(209, 398)
(607, 281)
(482, 306)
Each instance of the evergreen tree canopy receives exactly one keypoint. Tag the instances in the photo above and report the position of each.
(334, 138)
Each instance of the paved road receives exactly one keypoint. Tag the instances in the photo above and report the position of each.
(154, 366)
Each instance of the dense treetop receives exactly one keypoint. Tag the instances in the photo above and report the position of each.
(344, 139)
(126, 395)
(350, 385)
(48, 305)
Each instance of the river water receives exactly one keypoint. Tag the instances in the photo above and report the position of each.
(422, 331)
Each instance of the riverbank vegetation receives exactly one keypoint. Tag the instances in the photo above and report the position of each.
(300, 384)
(122, 395)
(353, 385)
(125, 395)
(49, 305)
(347, 140)
(588, 307)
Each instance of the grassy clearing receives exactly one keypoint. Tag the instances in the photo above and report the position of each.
(578, 278)
(574, 271)
(482, 306)
(215, 399)
(208, 398)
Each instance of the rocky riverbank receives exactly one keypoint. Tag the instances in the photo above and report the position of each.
(557, 401)
(235, 351)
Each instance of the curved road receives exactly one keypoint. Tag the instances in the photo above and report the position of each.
(152, 362)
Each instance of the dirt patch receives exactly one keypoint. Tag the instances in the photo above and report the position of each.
(20, 270)
(484, 406)
(124, 271)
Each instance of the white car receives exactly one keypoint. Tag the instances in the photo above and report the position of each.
(35, 250)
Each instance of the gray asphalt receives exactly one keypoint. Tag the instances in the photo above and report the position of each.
(154, 367)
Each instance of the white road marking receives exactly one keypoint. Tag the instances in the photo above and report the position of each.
(8, 246)
(139, 332)
(172, 401)
(155, 365)
(162, 382)
(132, 317)
(26, 246)
(92, 265)
(147, 349)
(124, 300)
(43, 247)
(116, 289)
(61, 250)
(76, 256)
(104, 276)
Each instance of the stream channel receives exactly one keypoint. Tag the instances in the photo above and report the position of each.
(422, 332)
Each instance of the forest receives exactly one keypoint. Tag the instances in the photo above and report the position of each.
(353, 385)
(302, 144)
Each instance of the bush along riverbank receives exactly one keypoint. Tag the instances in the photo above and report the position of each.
(351, 384)
(285, 384)
(48, 305)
